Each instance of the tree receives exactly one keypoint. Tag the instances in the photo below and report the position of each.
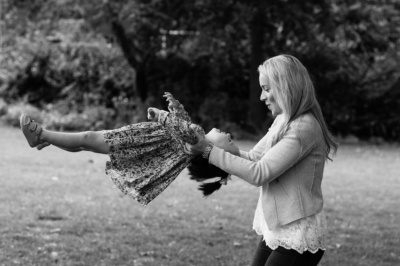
(207, 52)
(366, 41)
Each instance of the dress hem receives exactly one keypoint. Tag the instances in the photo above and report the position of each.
(273, 247)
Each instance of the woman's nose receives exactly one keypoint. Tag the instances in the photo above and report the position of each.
(263, 96)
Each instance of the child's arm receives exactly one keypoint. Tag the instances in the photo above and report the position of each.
(153, 114)
(177, 122)
(176, 108)
(180, 128)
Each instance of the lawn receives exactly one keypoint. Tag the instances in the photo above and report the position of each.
(59, 208)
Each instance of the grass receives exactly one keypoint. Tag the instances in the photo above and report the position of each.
(59, 208)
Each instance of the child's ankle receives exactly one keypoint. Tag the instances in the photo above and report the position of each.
(42, 136)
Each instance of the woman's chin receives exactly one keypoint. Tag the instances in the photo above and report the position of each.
(275, 114)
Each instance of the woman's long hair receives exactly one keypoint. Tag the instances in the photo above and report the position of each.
(200, 170)
(294, 92)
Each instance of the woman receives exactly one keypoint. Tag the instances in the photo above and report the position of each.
(287, 163)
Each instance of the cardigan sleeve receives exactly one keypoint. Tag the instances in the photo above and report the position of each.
(255, 153)
(296, 143)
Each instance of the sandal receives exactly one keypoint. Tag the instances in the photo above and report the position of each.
(42, 145)
(31, 130)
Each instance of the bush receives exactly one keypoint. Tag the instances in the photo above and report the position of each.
(218, 112)
(56, 118)
(11, 113)
(92, 118)
(78, 72)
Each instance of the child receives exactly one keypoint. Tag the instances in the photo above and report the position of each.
(144, 157)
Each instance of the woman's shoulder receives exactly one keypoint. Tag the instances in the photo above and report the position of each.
(305, 126)
(305, 121)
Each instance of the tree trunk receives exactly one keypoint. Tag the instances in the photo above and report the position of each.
(131, 53)
(257, 115)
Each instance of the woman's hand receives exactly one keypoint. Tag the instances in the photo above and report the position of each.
(152, 114)
(197, 148)
(223, 181)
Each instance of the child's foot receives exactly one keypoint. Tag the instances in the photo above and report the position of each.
(31, 130)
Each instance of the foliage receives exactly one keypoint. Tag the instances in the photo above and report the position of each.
(78, 73)
(205, 52)
(64, 62)
(54, 117)
(91, 118)
(11, 113)
(367, 50)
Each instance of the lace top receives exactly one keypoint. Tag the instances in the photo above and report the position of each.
(306, 234)
(146, 157)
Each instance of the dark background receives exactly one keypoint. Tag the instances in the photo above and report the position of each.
(77, 65)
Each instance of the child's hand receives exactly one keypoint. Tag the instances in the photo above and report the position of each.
(173, 103)
(152, 114)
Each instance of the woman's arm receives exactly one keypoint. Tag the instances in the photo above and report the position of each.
(255, 153)
(277, 160)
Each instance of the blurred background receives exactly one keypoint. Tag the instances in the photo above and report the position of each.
(95, 64)
(76, 65)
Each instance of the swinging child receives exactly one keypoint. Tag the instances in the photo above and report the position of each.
(144, 157)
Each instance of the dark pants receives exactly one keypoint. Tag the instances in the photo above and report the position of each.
(284, 257)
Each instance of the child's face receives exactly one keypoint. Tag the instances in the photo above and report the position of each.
(222, 140)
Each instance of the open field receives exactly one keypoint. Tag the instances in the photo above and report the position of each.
(59, 208)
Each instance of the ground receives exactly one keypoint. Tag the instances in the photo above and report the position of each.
(59, 208)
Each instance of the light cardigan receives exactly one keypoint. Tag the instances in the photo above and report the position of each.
(290, 172)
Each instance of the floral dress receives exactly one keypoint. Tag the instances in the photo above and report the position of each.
(146, 157)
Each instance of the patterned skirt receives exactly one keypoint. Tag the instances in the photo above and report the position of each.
(144, 159)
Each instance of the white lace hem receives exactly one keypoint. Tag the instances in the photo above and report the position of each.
(277, 243)
(307, 234)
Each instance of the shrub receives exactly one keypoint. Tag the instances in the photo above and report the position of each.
(12, 112)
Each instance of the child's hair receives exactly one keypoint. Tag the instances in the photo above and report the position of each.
(200, 170)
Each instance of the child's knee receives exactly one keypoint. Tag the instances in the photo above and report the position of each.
(88, 138)
(94, 141)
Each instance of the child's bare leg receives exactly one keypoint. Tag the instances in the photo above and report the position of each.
(40, 138)
(45, 144)
(73, 142)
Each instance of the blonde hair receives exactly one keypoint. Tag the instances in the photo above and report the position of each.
(294, 92)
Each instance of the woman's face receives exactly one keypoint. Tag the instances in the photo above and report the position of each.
(222, 140)
(267, 96)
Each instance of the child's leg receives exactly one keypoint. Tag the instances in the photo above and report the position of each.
(82, 141)
(43, 145)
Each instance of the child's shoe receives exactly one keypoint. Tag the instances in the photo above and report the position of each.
(31, 130)
(42, 145)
